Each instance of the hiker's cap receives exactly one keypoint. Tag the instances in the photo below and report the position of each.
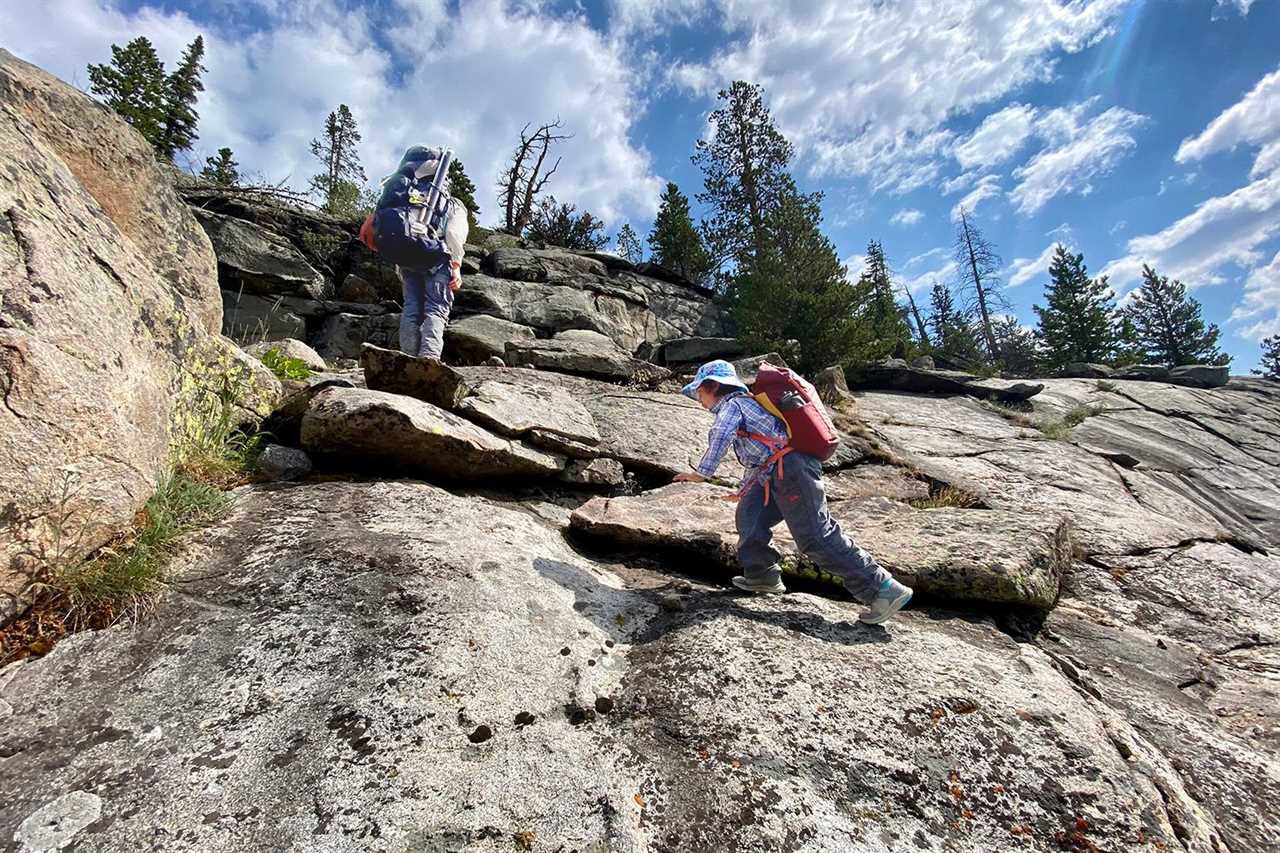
(719, 370)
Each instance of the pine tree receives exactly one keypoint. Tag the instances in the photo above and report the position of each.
(886, 322)
(133, 85)
(1129, 349)
(1079, 322)
(799, 290)
(1020, 353)
(954, 338)
(1169, 325)
(221, 170)
(1270, 358)
(461, 188)
(182, 88)
(336, 150)
(561, 225)
(745, 177)
(979, 265)
(629, 244)
(675, 242)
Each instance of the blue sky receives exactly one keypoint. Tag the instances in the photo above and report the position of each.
(1134, 131)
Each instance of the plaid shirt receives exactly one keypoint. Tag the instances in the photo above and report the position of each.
(735, 412)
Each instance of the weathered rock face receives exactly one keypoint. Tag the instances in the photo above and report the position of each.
(516, 410)
(699, 350)
(958, 555)
(896, 374)
(109, 314)
(252, 259)
(342, 335)
(584, 353)
(384, 661)
(395, 431)
(478, 338)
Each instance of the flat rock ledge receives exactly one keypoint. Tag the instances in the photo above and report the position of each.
(966, 555)
(393, 430)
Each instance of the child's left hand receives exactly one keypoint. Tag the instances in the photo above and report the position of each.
(689, 477)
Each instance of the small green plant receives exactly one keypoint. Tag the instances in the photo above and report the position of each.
(947, 496)
(1059, 429)
(283, 366)
(1012, 412)
(322, 246)
(214, 448)
(1104, 385)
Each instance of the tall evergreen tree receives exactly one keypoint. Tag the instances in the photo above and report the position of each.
(799, 290)
(979, 266)
(1270, 358)
(744, 167)
(1129, 348)
(461, 188)
(1020, 353)
(336, 151)
(182, 89)
(133, 84)
(886, 320)
(1079, 322)
(222, 170)
(1169, 325)
(629, 244)
(675, 242)
(953, 334)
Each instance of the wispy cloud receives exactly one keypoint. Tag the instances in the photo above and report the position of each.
(1084, 153)
(1253, 120)
(906, 216)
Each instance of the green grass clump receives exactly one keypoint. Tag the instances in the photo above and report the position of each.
(283, 366)
(947, 496)
(1059, 429)
(1104, 385)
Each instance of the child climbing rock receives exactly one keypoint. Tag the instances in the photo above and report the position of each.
(422, 230)
(782, 483)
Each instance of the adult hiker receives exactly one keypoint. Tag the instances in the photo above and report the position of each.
(782, 453)
(421, 229)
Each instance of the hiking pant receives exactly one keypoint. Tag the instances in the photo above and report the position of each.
(799, 499)
(427, 303)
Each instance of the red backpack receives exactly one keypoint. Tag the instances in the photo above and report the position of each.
(789, 396)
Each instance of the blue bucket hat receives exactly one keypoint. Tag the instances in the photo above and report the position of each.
(719, 370)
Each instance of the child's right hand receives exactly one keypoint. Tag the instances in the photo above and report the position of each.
(689, 477)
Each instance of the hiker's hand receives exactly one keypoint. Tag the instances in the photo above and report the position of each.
(689, 477)
(455, 275)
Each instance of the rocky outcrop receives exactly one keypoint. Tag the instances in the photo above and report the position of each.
(895, 374)
(951, 554)
(700, 350)
(515, 410)
(109, 314)
(252, 259)
(357, 661)
(584, 353)
(478, 338)
(397, 432)
(423, 378)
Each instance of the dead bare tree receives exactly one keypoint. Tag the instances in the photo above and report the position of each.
(915, 315)
(979, 266)
(524, 179)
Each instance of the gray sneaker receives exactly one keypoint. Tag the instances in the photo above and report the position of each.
(891, 597)
(744, 583)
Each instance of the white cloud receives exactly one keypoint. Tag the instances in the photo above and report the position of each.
(1241, 6)
(1118, 227)
(856, 263)
(1260, 304)
(862, 86)
(1253, 120)
(937, 252)
(1084, 154)
(999, 137)
(943, 274)
(1175, 181)
(906, 216)
(988, 187)
(1221, 232)
(1063, 232)
(960, 182)
(268, 91)
(1022, 270)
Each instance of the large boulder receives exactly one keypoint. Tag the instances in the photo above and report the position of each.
(342, 335)
(252, 259)
(584, 353)
(1087, 370)
(248, 318)
(895, 374)
(1200, 375)
(357, 425)
(423, 378)
(109, 321)
(541, 264)
(1143, 373)
(478, 338)
(516, 410)
(953, 554)
(699, 350)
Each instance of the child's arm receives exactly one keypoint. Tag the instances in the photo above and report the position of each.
(721, 435)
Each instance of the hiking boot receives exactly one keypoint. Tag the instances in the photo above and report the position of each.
(890, 598)
(744, 583)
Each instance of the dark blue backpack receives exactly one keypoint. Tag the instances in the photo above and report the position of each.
(400, 204)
